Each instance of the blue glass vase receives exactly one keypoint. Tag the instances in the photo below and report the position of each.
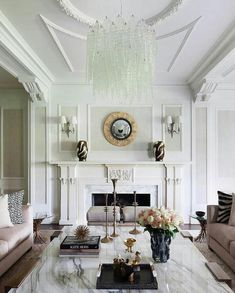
(160, 245)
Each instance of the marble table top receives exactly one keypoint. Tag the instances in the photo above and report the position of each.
(185, 271)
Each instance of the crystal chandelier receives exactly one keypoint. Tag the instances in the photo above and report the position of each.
(121, 57)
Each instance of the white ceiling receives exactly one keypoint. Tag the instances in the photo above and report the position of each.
(183, 39)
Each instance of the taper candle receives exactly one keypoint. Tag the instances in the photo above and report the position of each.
(106, 200)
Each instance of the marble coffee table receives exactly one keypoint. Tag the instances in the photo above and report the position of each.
(185, 271)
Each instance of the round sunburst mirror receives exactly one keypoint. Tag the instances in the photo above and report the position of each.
(120, 128)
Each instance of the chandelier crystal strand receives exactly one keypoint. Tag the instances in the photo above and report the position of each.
(121, 56)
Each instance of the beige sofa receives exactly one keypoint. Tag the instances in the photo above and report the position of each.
(220, 237)
(15, 241)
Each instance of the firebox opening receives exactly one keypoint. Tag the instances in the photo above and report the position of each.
(123, 199)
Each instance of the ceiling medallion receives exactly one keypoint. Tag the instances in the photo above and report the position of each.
(120, 129)
(71, 10)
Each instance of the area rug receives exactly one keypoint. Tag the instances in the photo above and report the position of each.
(212, 257)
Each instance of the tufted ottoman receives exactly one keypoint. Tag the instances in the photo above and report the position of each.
(128, 213)
(96, 215)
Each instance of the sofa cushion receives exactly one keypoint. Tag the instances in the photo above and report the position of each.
(15, 235)
(15, 200)
(232, 248)
(3, 248)
(5, 220)
(97, 214)
(222, 233)
(128, 213)
(225, 205)
(232, 214)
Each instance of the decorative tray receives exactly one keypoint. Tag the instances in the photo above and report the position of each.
(145, 280)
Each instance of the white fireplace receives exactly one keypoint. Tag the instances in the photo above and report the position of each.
(152, 190)
(78, 180)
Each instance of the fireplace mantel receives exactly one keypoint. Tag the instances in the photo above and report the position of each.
(75, 176)
(152, 163)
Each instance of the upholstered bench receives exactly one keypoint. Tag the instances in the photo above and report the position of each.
(128, 213)
(96, 215)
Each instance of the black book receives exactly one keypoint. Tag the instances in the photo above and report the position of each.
(71, 242)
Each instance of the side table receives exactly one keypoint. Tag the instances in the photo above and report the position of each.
(36, 229)
(203, 222)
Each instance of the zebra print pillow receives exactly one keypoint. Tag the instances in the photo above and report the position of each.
(225, 205)
(15, 200)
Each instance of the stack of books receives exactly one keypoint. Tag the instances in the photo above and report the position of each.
(71, 246)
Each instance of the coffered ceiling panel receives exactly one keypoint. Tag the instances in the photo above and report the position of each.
(59, 39)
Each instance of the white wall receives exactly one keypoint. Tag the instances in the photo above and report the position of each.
(78, 100)
(214, 152)
(210, 147)
(14, 141)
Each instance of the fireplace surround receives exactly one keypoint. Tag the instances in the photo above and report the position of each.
(79, 180)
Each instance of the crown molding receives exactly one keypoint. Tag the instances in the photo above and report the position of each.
(224, 45)
(205, 90)
(35, 88)
(19, 50)
(10, 64)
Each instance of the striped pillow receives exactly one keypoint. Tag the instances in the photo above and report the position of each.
(225, 205)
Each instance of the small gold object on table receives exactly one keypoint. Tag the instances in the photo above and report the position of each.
(81, 232)
(114, 234)
(135, 204)
(106, 239)
(129, 242)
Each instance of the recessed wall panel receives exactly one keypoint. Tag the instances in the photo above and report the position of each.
(201, 155)
(226, 143)
(40, 155)
(13, 133)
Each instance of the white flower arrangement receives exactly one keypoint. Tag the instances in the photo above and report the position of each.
(163, 220)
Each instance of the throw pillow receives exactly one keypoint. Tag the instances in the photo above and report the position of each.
(5, 220)
(225, 205)
(15, 200)
(232, 214)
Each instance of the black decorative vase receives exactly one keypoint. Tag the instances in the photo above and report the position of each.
(159, 150)
(160, 244)
(82, 150)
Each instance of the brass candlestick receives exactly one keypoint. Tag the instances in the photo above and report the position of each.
(135, 204)
(114, 234)
(106, 239)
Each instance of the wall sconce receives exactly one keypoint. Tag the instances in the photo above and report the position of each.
(68, 125)
(173, 124)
